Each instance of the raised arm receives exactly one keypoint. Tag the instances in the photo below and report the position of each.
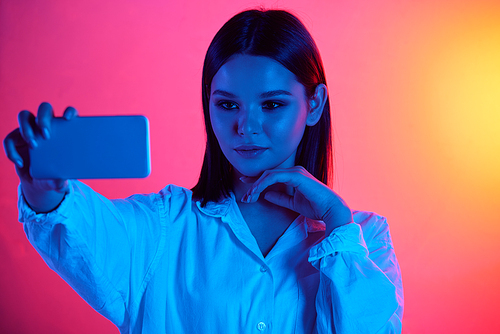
(102, 248)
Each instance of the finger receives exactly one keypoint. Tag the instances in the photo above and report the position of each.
(248, 179)
(27, 126)
(280, 199)
(9, 145)
(70, 113)
(258, 186)
(44, 118)
(273, 177)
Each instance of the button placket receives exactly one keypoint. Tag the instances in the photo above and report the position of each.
(261, 326)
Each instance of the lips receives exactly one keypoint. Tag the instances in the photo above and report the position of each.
(248, 147)
(250, 151)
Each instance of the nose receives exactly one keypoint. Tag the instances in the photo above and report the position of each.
(249, 123)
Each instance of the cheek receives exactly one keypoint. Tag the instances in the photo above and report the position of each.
(289, 130)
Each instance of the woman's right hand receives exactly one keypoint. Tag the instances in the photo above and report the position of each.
(41, 195)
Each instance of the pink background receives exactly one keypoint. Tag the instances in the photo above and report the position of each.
(415, 90)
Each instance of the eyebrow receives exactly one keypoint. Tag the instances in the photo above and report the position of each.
(264, 95)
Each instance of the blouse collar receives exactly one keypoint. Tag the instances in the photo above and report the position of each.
(221, 209)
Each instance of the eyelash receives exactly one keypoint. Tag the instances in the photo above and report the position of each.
(276, 105)
(266, 105)
(223, 105)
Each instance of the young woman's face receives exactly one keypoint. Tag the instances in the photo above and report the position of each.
(258, 112)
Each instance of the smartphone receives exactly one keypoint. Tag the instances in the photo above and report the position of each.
(96, 147)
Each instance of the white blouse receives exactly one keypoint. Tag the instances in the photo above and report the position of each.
(161, 263)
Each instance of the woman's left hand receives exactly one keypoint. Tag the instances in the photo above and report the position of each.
(311, 198)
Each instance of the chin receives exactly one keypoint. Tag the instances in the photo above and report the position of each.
(256, 168)
(250, 172)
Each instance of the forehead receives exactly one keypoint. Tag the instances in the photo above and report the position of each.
(246, 74)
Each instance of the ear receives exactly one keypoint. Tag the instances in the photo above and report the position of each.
(317, 104)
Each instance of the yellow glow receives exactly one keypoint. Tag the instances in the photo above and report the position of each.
(464, 89)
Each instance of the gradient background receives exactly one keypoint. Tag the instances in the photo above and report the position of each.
(415, 91)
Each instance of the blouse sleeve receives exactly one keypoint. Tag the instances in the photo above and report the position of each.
(92, 243)
(360, 287)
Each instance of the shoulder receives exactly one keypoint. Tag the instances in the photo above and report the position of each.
(176, 197)
(174, 191)
(374, 227)
(171, 197)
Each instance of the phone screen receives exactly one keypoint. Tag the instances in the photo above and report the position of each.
(95, 147)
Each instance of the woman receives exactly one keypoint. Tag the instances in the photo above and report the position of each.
(260, 244)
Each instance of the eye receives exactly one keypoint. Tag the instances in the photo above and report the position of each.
(227, 105)
(271, 105)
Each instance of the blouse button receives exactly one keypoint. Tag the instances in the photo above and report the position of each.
(261, 326)
(263, 270)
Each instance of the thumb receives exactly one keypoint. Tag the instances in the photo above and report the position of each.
(280, 199)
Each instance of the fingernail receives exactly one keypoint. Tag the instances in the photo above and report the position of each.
(19, 163)
(33, 143)
(46, 133)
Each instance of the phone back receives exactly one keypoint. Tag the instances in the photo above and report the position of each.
(94, 147)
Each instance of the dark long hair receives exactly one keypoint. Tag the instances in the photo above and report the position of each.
(281, 36)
